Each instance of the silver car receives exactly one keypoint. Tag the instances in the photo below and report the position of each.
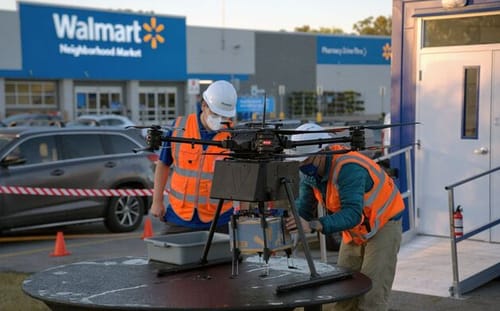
(64, 159)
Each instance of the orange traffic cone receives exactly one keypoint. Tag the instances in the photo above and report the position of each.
(148, 229)
(60, 247)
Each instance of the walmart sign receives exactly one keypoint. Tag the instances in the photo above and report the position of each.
(71, 28)
(353, 50)
(59, 42)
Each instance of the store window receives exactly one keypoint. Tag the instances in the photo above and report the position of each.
(30, 94)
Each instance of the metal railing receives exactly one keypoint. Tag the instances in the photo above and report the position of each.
(460, 287)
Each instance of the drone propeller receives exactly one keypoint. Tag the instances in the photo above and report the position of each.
(383, 126)
(253, 127)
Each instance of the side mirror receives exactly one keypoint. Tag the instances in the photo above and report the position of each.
(12, 160)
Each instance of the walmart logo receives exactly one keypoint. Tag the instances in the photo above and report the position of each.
(72, 28)
(154, 33)
(387, 51)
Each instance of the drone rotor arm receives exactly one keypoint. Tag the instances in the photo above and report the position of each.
(193, 141)
(323, 141)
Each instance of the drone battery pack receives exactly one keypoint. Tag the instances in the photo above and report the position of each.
(254, 181)
(249, 235)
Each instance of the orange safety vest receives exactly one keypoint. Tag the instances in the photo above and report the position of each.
(192, 173)
(381, 203)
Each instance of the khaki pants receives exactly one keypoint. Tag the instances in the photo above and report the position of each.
(376, 259)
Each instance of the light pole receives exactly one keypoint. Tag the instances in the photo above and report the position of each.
(382, 94)
(281, 93)
(319, 114)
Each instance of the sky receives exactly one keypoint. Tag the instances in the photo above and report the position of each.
(271, 15)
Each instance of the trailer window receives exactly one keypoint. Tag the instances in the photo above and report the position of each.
(470, 103)
(461, 31)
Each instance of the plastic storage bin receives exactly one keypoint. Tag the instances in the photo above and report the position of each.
(186, 248)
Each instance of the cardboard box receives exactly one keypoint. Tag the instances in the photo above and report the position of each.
(249, 235)
(186, 248)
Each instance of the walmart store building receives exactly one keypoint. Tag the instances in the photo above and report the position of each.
(73, 61)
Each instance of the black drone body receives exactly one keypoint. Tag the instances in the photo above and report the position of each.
(259, 144)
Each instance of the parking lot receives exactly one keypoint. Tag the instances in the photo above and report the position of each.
(29, 252)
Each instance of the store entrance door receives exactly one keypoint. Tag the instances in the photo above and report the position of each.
(99, 100)
(157, 105)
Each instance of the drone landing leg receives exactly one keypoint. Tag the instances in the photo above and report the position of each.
(302, 236)
(236, 249)
(263, 224)
(315, 279)
(213, 226)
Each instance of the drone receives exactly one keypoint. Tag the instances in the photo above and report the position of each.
(265, 141)
(254, 169)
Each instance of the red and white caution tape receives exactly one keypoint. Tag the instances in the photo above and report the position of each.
(75, 192)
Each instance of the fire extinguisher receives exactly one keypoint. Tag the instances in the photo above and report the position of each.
(458, 222)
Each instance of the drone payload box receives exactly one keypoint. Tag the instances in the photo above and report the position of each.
(249, 235)
(254, 180)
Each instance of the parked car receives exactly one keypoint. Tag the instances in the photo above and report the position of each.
(105, 120)
(75, 158)
(108, 120)
(32, 119)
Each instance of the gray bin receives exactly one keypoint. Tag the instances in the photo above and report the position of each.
(186, 248)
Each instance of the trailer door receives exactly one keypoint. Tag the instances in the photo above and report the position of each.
(454, 106)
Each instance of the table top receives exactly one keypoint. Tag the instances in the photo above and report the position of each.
(132, 283)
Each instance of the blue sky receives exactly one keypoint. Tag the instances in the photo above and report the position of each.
(272, 15)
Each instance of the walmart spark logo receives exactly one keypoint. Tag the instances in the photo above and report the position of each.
(387, 51)
(153, 33)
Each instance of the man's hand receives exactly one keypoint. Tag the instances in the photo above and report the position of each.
(158, 210)
(291, 226)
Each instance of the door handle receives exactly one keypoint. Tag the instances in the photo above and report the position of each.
(482, 150)
(57, 172)
(110, 164)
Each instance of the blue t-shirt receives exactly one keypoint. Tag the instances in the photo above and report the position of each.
(167, 159)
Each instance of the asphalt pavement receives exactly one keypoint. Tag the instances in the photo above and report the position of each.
(30, 252)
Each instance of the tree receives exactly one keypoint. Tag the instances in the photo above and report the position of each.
(324, 30)
(380, 26)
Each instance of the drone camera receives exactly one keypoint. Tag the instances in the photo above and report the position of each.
(153, 138)
(357, 138)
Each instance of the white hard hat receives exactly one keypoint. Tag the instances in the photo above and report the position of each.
(307, 136)
(221, 97)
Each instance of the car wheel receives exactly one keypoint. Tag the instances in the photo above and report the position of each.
(125, 213)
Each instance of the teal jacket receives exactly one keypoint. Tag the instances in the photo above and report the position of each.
(353, 181)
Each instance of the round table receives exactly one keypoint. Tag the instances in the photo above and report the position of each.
(133, 283)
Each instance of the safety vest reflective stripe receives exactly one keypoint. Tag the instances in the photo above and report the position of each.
(194, 174)
(191, 198)
(380, 212)
(379, 173)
